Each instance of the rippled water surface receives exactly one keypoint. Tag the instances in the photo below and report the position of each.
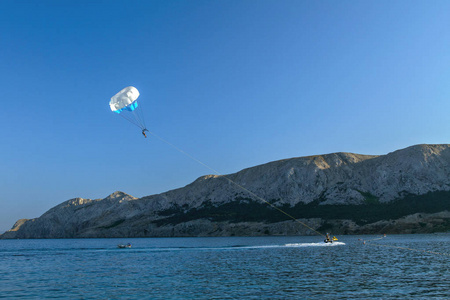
(228, 268)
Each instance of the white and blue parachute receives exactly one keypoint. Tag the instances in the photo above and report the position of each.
(124, 100)
(126, 105)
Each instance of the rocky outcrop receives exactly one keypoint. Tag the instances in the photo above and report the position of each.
(349, 193)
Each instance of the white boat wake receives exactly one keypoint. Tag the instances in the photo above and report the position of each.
(293, 245)
(321, 244)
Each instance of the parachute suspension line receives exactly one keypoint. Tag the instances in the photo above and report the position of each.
(138, 119)
(140, 112)
(236, 184)
(139, 116)
(130, 120)
(133, 118)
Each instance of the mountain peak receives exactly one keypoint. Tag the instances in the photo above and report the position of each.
(118, 195)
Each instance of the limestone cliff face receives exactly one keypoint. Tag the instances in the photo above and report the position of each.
(332, 180)
(71, 218)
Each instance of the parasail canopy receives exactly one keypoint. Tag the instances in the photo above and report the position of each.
(126, 105)
(125, 99)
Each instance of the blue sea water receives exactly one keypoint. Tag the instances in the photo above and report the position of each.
(228, 268)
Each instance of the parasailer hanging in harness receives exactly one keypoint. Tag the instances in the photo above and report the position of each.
(126, 105)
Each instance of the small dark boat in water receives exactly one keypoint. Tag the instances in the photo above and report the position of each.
(124, 246)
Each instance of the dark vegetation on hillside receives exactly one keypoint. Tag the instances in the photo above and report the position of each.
(247, 210)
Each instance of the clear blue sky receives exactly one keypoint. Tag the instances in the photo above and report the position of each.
(233, 83)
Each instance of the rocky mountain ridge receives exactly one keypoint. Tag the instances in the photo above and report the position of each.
(344, 192)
